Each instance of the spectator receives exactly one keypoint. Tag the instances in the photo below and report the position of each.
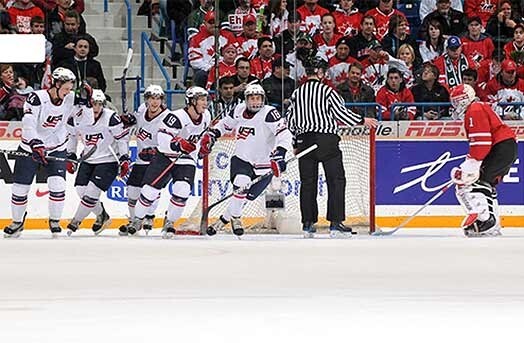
(382, 14)
(482, 8)
(5, 21)
(515, 48)
(178, 11)
(227, 100)
(237, 19)
(398, 36)
(21, 13)
(15, 105)
(433, 47)
(285, 43)
(305, 48)
(278, 18)
(55, 19)
(311, 14)
(347, 18)
(49, 5)
(452, 64)
(64, 42)
(429, 90)
(262, 65)
(202, 48)
(453, 22)
(196, 18)
(84, 66)
(243, 76)
(248, 39)
(327, 38)
(506, 87)
(358, 45)
(7, 83)
(375, 65)
(489, 68)
(476, 45)
(226, 67)
(338, 65)
(502, 24)
(354, 90)
(395, 91)
(470, 77)
(428, 6)
(279, 86)
(407, 55)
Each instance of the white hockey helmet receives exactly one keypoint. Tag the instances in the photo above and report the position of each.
(254, 89)
(63, 74)
(193, 93)
(98, 96)
(461, 97)
(154, 90)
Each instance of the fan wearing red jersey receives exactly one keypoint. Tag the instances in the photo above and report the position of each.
(492, 151)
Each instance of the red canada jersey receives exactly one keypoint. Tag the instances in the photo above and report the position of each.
(386, 97)
(382, 21)
(261, 68)
(338, 70)
(347, 24)
(223, 70)
(480, 8)
(21, 18)
(484, 128)
(248, 46)
(256, 4)
(202, 47)
(477, 50)
(517, 54)
(326, 49)
(311, 19)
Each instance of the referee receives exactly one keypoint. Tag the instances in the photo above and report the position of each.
(312, 117)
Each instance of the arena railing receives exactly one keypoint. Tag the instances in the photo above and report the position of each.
(143, 42)
(128, 21)
(367, 106)
(422, 106)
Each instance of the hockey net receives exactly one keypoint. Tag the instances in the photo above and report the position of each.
(277, 210)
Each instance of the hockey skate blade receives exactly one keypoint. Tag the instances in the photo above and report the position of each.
(105, 226)
(13, 236)
(335, 234)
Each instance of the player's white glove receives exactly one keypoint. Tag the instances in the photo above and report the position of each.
(467, 173)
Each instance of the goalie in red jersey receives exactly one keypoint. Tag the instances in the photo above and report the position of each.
(492, 151)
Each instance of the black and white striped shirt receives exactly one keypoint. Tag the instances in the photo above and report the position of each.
(316, 107)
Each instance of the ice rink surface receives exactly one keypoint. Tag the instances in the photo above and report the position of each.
(414, 286)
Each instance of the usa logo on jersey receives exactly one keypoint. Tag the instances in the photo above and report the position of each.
(93, 139)
(143, 135)
(244, 132)
(52, 121)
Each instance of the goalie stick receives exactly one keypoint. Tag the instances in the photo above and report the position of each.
(443, 190)
(205, 213)
(84, 157)
(123, 79)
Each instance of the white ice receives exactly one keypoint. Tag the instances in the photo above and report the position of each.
(415, 286)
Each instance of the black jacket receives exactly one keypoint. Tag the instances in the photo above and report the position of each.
(85, 69)
(501, 33)
(391, 44)
(54, 24)
(436, 94)
(61, 54)
(456, 25)
(273, 88)
(358, 46)
(365, 94)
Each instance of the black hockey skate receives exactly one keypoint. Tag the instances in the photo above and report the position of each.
(339, 230)
(486, 228)
(147, 225)
(54, 226)
(101, 222)
(134, 227)
(236, 226)
(309, 230)
(122, 230)
(168, 231)
(216, 226)
(14, 230)
(72, 227)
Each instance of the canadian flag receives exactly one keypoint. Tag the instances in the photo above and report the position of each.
(46, 79)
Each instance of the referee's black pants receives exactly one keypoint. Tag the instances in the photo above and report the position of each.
(328, 153)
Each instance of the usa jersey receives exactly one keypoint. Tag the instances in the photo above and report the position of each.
(107, 131)
(484, 129)
(257, 136)
(147, 129)
(45, 121)
(180, 124)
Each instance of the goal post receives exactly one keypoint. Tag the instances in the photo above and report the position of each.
(277, 210)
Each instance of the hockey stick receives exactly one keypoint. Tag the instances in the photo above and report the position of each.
(443, 190)
(17, 153)
(205, 213)
(122, 79)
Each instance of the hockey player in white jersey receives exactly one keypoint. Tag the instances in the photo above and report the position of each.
(43, 134)
(101, 127)
(147, 120)
(262, 140)
(178, 136)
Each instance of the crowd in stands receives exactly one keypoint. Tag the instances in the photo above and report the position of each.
(67, 45)
(375, 50)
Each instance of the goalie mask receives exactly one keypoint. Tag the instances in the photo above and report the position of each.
(255, 97)
(461, 97)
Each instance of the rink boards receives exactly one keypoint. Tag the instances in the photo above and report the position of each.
(414, 159)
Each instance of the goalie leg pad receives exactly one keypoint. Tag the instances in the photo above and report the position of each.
(476, 199)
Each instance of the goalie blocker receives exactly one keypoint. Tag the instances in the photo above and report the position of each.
(492, 151)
